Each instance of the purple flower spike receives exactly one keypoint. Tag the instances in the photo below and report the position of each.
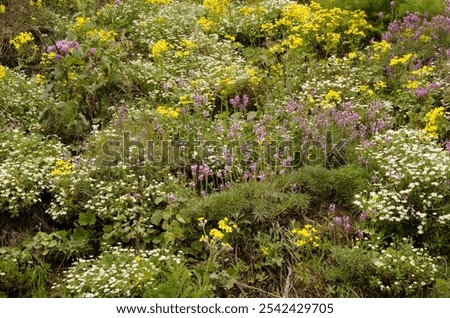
(332, 208)
(421, 92)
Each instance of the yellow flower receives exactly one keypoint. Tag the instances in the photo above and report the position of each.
(80, 22)
(254, 79)
(39, 79)
(160, 48)
(21, 39)
(187, 44)
(2, 8)
(205, 23)
(352, 55)
(184, 100)
(412, 84)
(168, 111)
(216, 233)
(401, 60)
(37, 3)
(216, 7)
(47, 58)
(293, 42)
(380, 85)
(2, 71)
(423, 71)
(159, 1)
(223, 225)
(230, 37)
(431, 127)
(331, 98)
(382, 47)
(138, 258)
(264, 251)
(62, 167)
(103, 35)
(307, 236)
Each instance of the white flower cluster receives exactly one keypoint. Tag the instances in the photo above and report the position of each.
(412, 179)
(26, 162)
(117, 272)
(404, 270)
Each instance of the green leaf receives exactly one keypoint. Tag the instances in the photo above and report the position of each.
(80, 234)
(87, 218)
(180, 219)
(156, 217)
(158, 200)
(167, 214)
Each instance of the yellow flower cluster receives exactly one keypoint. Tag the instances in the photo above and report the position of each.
(62, 168)
(382, 46)
(423, 71)
(264, 251)
(254, 79)
(47, 58)
(159, 1)
(331, 99)
(205, 23)
(168, 111)
(39, 79)
(159, 48)
(366, 90)
(2, 71)
(186, 47)
(329, 27)
(22, 39)
(80, 22)
(380, 85)
(216, 7)
(378, 48)
(431, 127)
(412, 84)
(306, 236)
(252, 10)
(103, 35)
(37, 3)
(401, 60)
(225, 226)
(2, 8)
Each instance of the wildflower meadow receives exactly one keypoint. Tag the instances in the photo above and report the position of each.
(224, 148)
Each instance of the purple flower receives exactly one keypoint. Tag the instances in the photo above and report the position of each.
(346, 227)
(363, 216)
(447, 145)
(381, 15)
(118, 2)
(337, 220)
(235, 101)
(332, 208)
(171, 197)
(219, 129)
(392, 4)
(421, 92)
(92, 51)
(63, 47)
(360, 233)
